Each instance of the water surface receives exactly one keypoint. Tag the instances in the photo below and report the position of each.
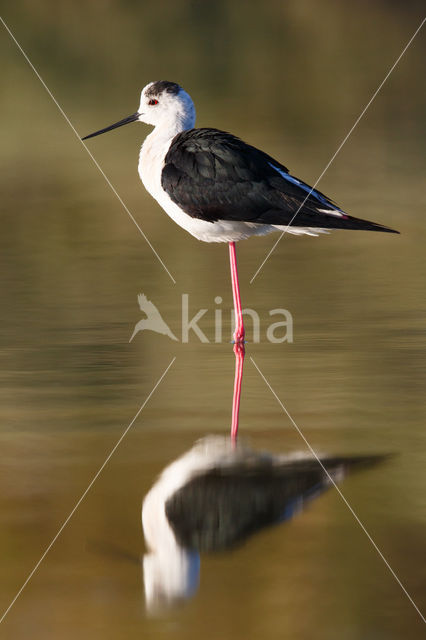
(72, 264)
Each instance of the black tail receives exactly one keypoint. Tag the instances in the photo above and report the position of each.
(323, 220)
(349, 222)
(355, 463)
(312, 217)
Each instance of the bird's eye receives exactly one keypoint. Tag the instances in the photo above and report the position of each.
(153, 101)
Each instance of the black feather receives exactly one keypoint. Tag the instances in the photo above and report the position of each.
(212, 175)
(223, 506)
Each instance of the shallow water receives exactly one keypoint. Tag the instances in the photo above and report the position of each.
(72, 264)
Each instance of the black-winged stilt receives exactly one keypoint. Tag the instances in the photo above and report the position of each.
(219, 188)
(217, 495)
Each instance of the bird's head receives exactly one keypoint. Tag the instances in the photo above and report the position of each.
(170, 576)
(164, 104)
(162, 101)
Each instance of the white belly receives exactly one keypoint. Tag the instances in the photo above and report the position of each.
(151, 163)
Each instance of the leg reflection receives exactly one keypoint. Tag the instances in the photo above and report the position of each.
(239, 351)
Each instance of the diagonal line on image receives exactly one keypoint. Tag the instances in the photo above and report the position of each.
(332, 481)
(107, 180)
(345, 139)
(86, 491)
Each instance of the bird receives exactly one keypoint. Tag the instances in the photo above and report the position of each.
(220, 188)
(218, 494)
(153, 321)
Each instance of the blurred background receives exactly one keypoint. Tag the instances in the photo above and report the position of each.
(290, 78)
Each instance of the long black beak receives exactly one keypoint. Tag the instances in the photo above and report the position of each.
(120, 123)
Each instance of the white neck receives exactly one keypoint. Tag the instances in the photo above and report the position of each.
(156, 144)
(180, 121)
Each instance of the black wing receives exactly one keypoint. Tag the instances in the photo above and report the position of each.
(212, 175)
(222, 507)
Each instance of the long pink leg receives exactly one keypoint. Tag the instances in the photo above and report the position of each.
(239, 326)
(239, 351)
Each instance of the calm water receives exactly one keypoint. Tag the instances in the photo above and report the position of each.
(72, 264)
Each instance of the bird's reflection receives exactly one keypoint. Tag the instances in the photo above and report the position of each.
(214, 497)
